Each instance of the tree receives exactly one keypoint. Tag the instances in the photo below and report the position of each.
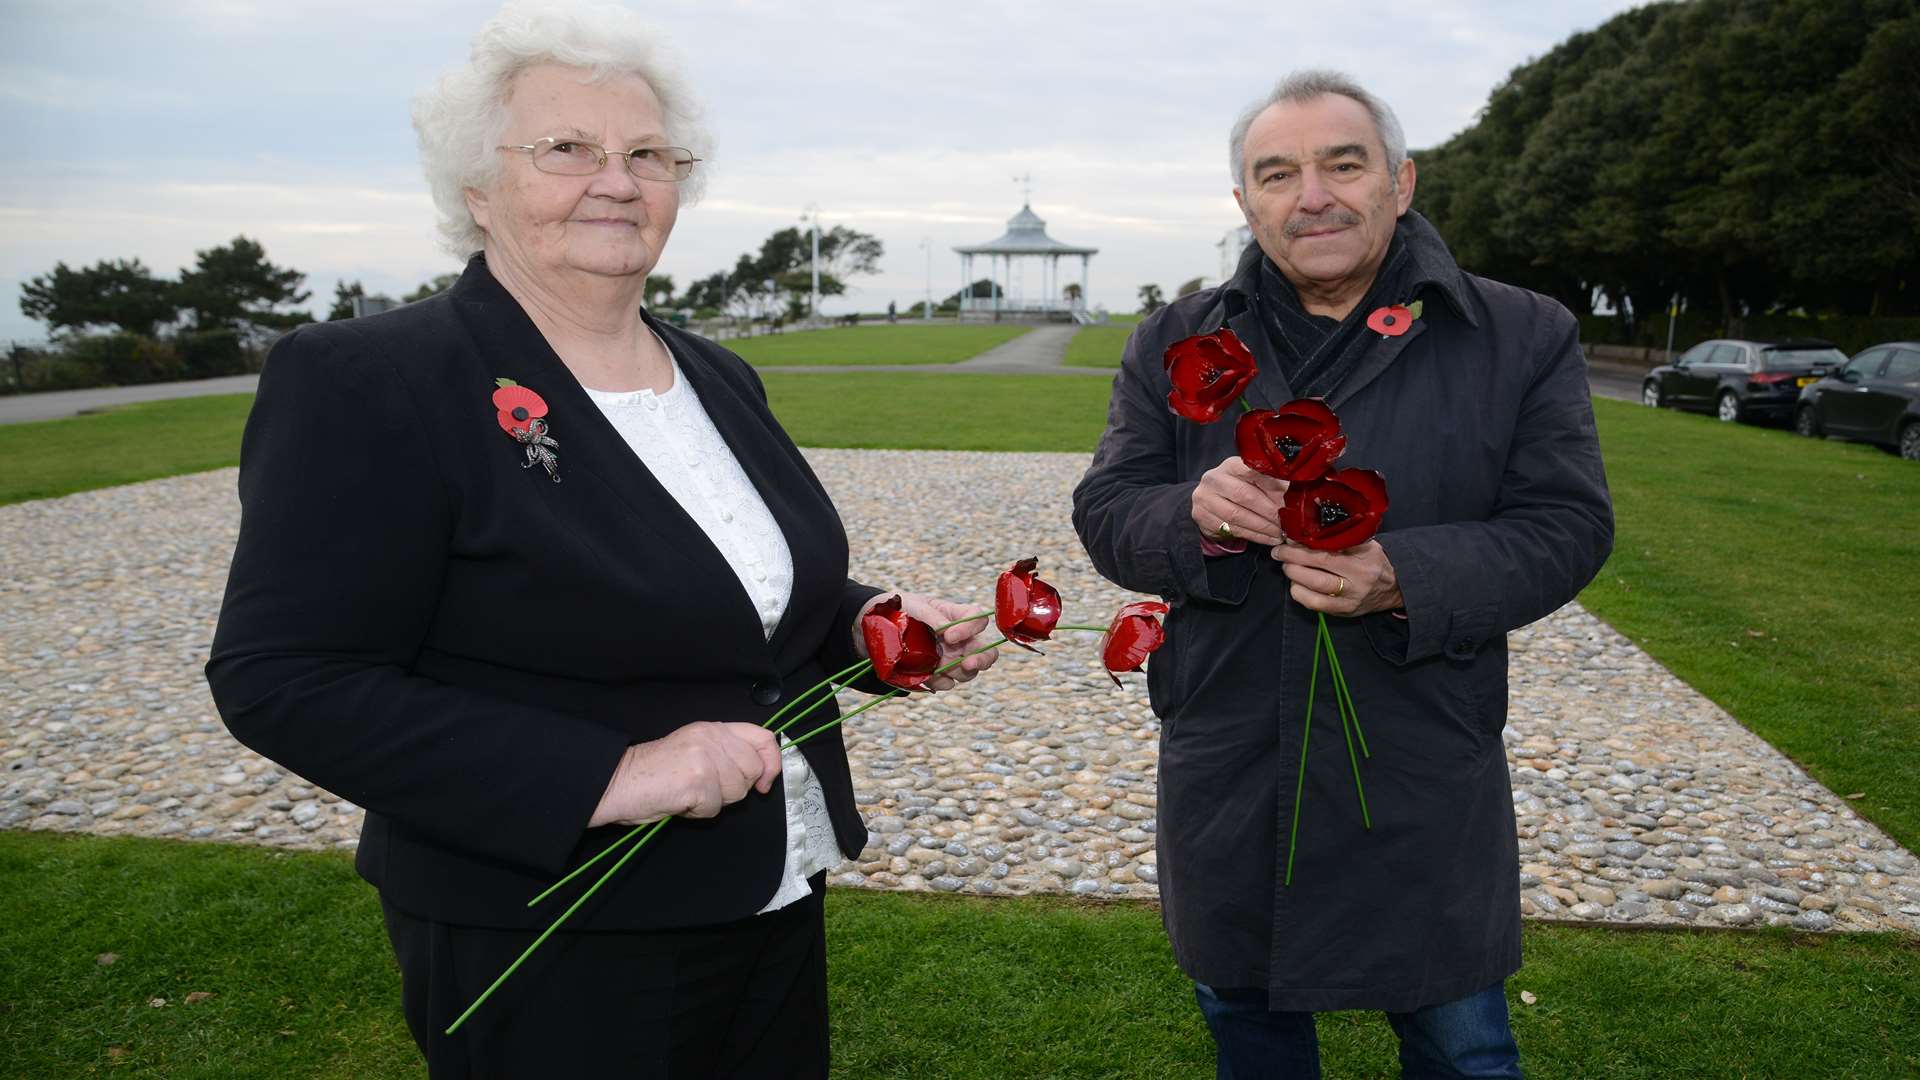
(236, 288)
(344, 293)
(120, 293)
(779, 277)
(1072, 290)
(440, 283)
(658, 291)
(1150, 299)
(707, 294)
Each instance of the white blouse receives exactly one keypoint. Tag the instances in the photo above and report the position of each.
(674, 437)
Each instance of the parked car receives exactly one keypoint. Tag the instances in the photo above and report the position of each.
(1875, 398)
(1741, 380)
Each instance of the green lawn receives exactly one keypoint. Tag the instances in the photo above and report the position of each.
(903, 343)
(133, 442)
(1780, 577)
(291, 949)
(915, 410)
(1098, 346)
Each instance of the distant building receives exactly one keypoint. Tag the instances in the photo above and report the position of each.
(373, 305)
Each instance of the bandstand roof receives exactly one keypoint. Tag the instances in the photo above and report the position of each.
(1026, 235)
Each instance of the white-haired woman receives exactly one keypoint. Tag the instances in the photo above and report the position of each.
(520, 566)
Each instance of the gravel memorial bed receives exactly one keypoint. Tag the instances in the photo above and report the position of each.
(1638, 800)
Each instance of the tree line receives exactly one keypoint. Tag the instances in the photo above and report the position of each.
(1751, 157)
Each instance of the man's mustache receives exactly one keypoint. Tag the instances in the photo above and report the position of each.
(1307, 224)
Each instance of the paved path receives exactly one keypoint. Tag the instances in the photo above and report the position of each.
(1636, 800)
(55, 404)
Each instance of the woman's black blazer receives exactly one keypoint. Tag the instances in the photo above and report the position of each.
(464, 647)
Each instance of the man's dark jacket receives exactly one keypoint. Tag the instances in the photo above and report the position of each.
(465, 648)
(1479, 418)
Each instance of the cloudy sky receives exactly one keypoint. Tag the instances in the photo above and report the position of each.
(151, 130)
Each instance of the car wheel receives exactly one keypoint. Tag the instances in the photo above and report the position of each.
(1729, 409)
(1910, 441)
(1806, 423)
(1650, 395)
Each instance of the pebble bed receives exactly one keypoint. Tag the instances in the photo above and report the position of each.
(1638, 800)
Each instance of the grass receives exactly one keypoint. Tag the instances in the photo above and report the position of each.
(1778, 576)
(915, 410)
(897, 344)
(290, 946)
(1097, 346)
(134, 442)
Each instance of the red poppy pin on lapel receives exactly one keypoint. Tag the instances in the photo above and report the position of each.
(522, 414)
(1394, 319)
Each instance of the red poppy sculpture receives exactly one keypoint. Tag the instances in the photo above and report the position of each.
(1208, 372)
(1297, 441)
(905, 651)
(1134, 633)
(1335, 512)
(1025, 608)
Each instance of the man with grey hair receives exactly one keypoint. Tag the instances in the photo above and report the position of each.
(1471, 398)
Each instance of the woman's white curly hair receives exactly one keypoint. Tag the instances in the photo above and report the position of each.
(461, 119)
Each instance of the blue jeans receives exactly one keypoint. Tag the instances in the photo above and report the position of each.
(1465, 1038)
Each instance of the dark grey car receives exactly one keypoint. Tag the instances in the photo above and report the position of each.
(1874, 398)
(1741, 380)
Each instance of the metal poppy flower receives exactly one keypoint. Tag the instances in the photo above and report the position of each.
(1340, 510)
(905, 651)
(1298, 441)
(1208, 371)
(517, 407)
(1392, 320)
(1134, 633)
(1024, 607)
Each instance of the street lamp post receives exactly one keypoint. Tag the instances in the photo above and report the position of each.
(813, 298)
(926, 244)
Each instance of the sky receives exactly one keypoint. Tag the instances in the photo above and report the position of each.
(154, 130)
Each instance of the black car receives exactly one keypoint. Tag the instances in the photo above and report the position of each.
(1741, 380)
(1875, 398)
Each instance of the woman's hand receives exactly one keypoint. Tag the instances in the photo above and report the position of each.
(955, 641)
(691, 773)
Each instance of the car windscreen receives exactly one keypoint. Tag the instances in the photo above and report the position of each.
(1797, 359)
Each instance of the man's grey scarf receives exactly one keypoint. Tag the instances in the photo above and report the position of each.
(1316, 352)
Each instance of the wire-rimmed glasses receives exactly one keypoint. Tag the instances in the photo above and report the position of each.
(578, 157)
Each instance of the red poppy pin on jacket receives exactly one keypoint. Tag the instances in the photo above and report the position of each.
(1394, 319)
(522, 414)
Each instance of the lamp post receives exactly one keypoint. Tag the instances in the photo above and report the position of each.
(813, 298)
(926, 244)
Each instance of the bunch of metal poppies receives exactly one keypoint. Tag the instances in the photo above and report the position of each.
(1325, 508)
(904, 653)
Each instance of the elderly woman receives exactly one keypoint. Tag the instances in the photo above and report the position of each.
(511, 626)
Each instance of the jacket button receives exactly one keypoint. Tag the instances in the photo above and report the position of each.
(765, 692)
(1463, 647)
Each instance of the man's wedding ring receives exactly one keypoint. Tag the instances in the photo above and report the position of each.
(1343, 586)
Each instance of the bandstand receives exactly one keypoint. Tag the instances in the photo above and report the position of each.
(1024, 244)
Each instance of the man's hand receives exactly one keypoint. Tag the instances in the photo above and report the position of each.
(1247, 502)
(1356, 581)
